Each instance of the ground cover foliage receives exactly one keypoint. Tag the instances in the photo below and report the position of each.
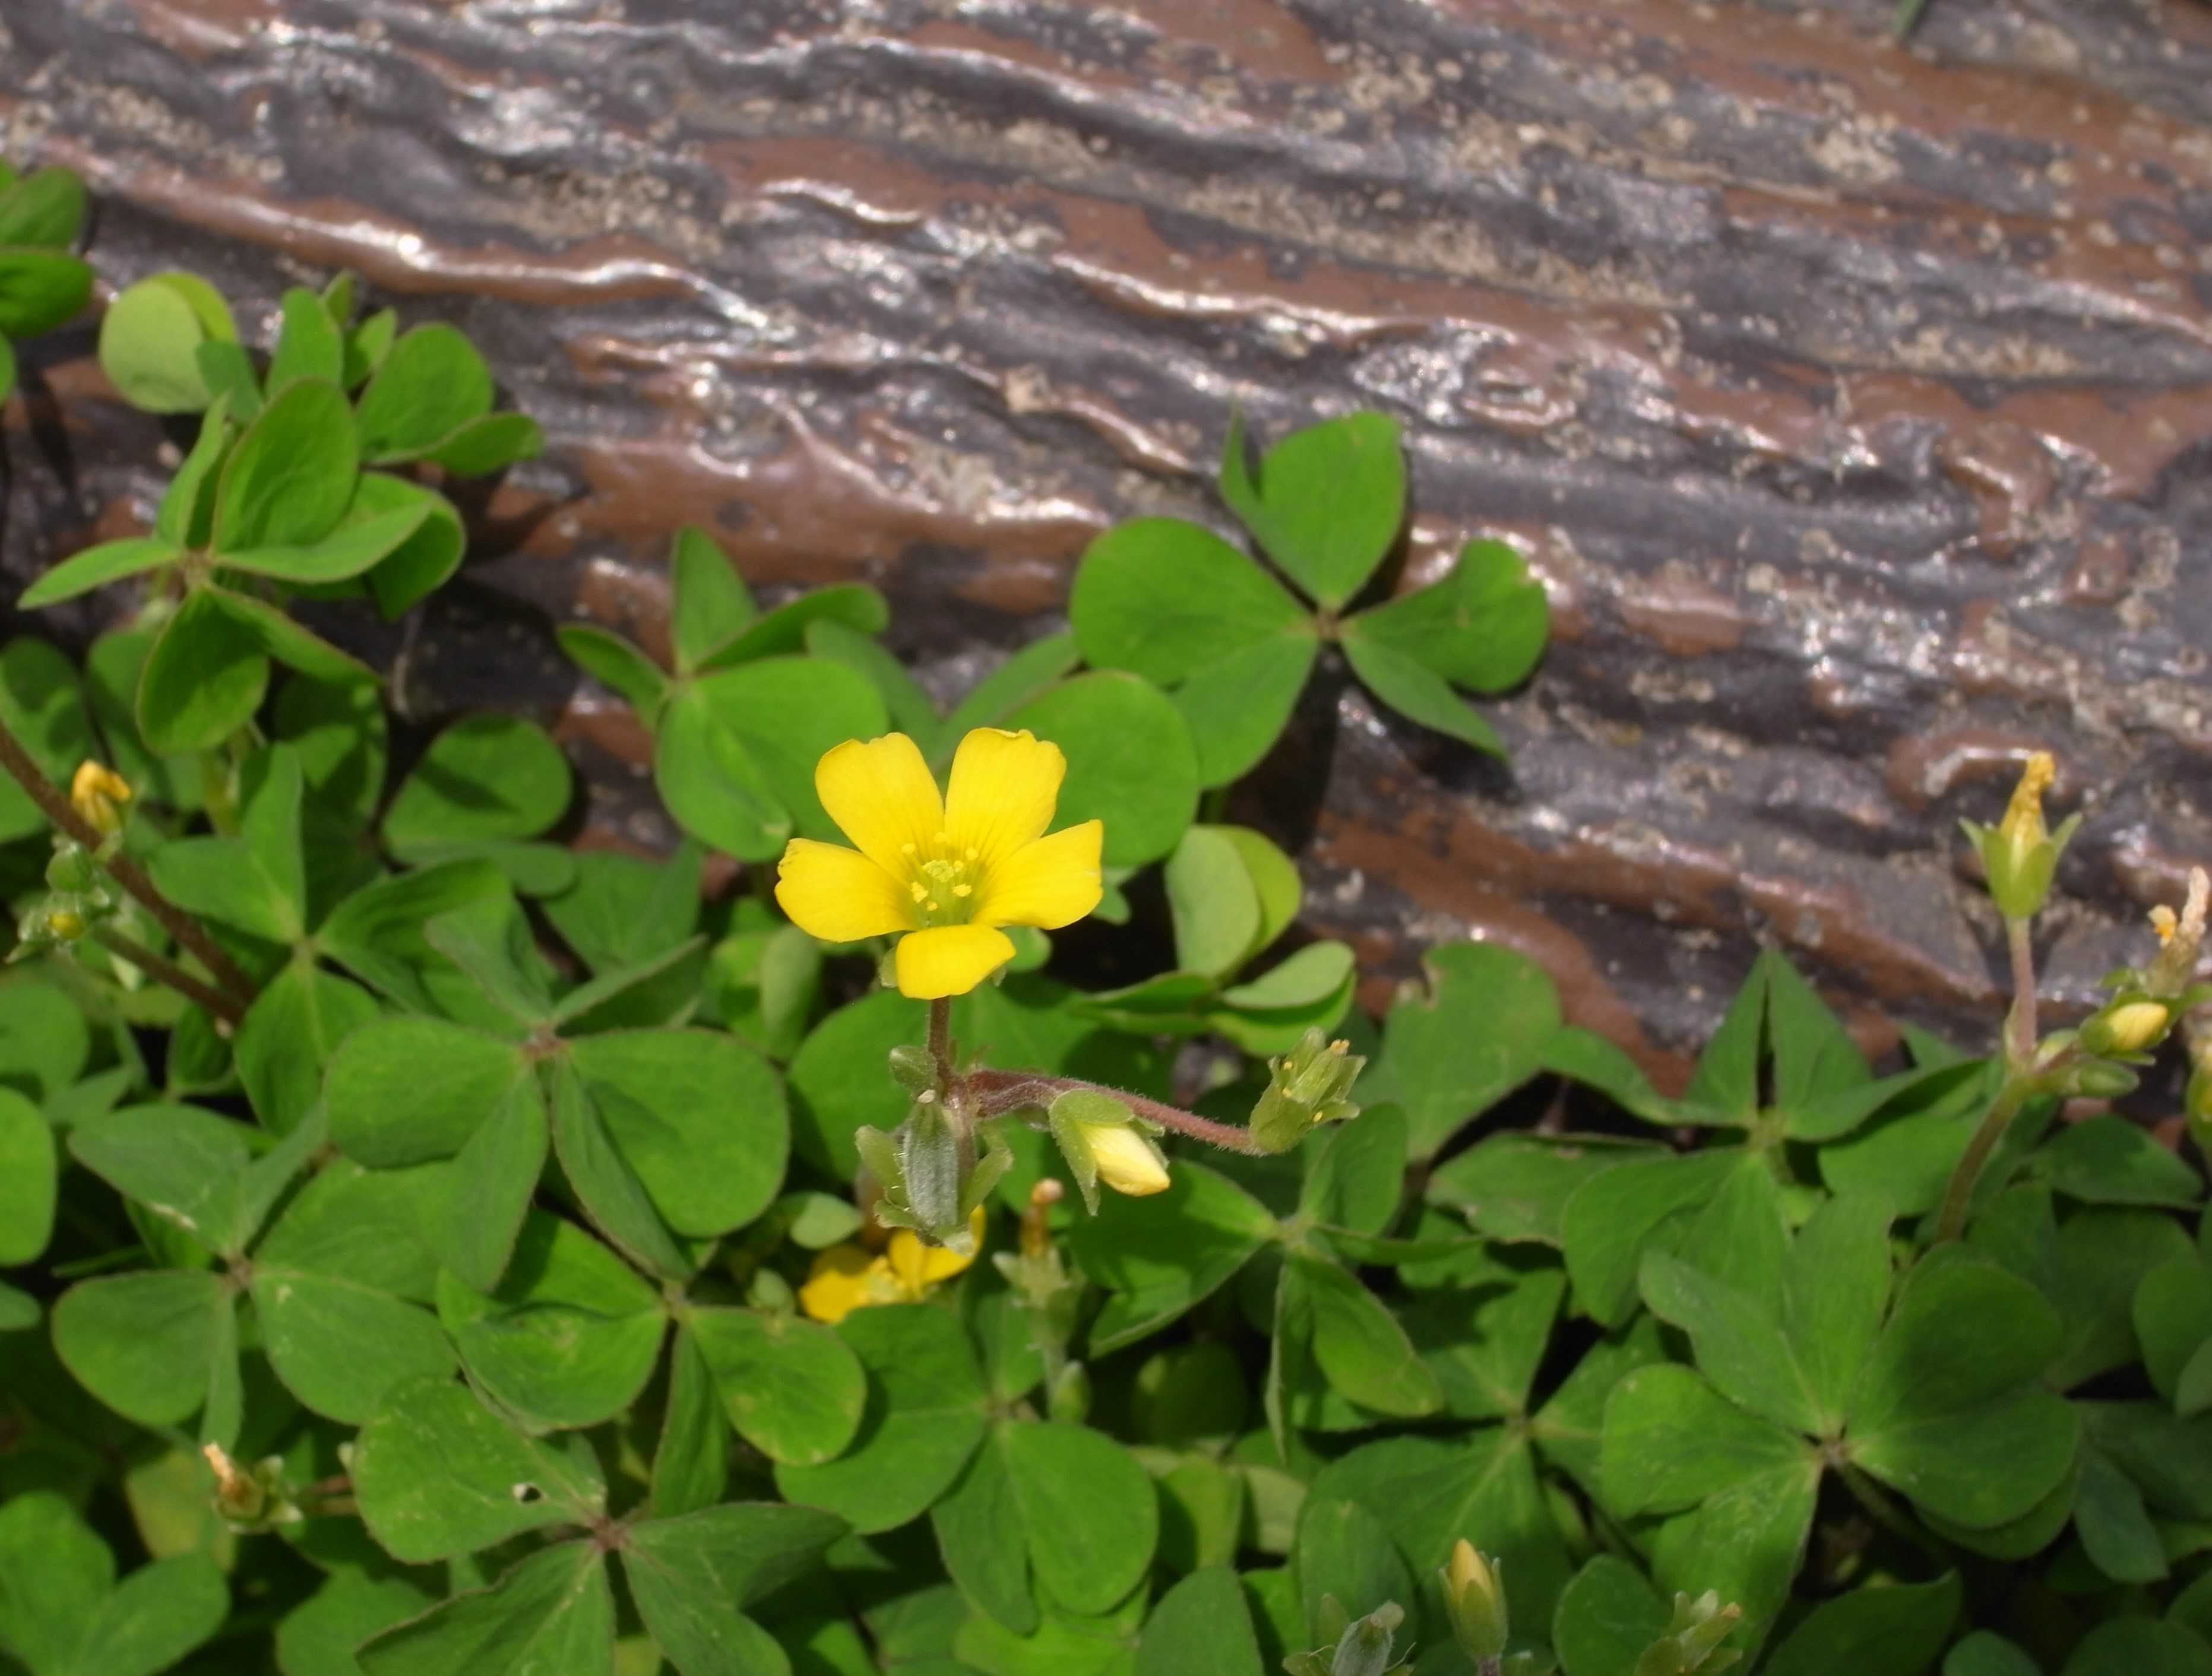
(425, 1247)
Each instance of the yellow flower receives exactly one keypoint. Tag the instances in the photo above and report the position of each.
(845, 1278)
(947, 872)
(98, 793)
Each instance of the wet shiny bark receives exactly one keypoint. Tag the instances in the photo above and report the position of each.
(1852, 401)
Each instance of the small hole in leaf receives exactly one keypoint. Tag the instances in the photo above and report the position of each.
(526, 1493)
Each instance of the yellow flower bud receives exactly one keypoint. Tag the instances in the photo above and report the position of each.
(1126, 1161)
(98, 793)
(2127, 1028)
(1476, 1602)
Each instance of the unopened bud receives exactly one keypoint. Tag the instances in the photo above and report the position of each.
(70, 869)
(1364, 1650)
(1308, 1085)
(2100, 1079)
(2129, 1027)
(1476, 1600)
(1099, 1138)
(98, 794)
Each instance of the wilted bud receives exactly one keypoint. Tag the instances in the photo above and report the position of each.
(1475, 1597)
(98, 794)
(239, 1496)
(2182, 938)
(2020, 854)
(1691, 1645)
(1310, 1085)
(2126, 1027)
(931, 1160)
(1364, 1650)
(1099, 1137)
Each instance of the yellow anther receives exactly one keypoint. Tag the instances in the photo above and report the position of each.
(919, 891)
(964, 890)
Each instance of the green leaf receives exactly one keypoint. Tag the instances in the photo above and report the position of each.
(553, 1614)
(735, 751)
(1985, 1653)
(148, 337)
(42, 704)
(1606, 1619)
(309, 345)
(63, 1612)
(437, 1474)
(603, 1181)
(185, 1165)
(145, 1344)
(691, 1575)
(1738, 1340)
(913, 711)
(2098, 1260)
(1414, 691)
(1327, 502)
(1215, 904)
(487, 776)
(40, 289)
(1472, 1038)
(1482, 627)
(2115, 1527)
(838, 1081)
(1835, 1287)
(1671, 1440)
(1024, 674)
(45, 1042)
(27, 1180)
(1514, 1186)
(1944, 1409)
(697, 1116)
(490, 443)
(1610, 1220)
(924, 1418)
(782, 632)
(1359, 1345)
(569, 1337)
(1130, 761)
(1202, 1624)
(318, 1637)
(793, 1389)
(1430, 1491)
(45, 207)
(426, 560)
(1089, 1509)
(2171, 1312)
(2141, 1647)
(1344, 1551)
(338, 729)
(981, 1539)
(345, 553)
(1897, 1629)
(619, 665)
(1175, 604)
(691, 1458)
(276, 635)
(95, 566)
(494, 1178)
(709, 605)
(186, 515)
(406, 1090)
(1163, 1255)
(337, 1283)
(290, 477)
(1354, 1173)
(2112, 1161)
(431, 384)
(201, 681)
(623, 910)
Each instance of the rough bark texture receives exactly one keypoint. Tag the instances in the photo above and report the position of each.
(1849, 399)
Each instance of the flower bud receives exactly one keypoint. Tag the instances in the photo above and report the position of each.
(2020, 854)
(1310, 1085)
(1691, 1642)
(2125, 1027)
(1364, 1650)
(98, 794)
(1476, 1600)
(2100, 1079)
(1099, 1137)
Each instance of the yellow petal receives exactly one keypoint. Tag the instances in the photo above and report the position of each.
(1126, 1161)
(880, 794)
(1049, 883)
(837, 1284)
(908, 1257)
(950, 959)
(838, 895)
(920, 1266)
(1003, 789)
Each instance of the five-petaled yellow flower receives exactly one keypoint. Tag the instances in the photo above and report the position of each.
(849, 1276)
(946, 871)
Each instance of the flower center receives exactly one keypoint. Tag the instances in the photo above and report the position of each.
(942, 881)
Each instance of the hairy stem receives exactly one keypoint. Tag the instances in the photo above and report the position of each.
(162, 971)
(188, 932)
(1959, 1195)
(940, 1038)
(995, 1093)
